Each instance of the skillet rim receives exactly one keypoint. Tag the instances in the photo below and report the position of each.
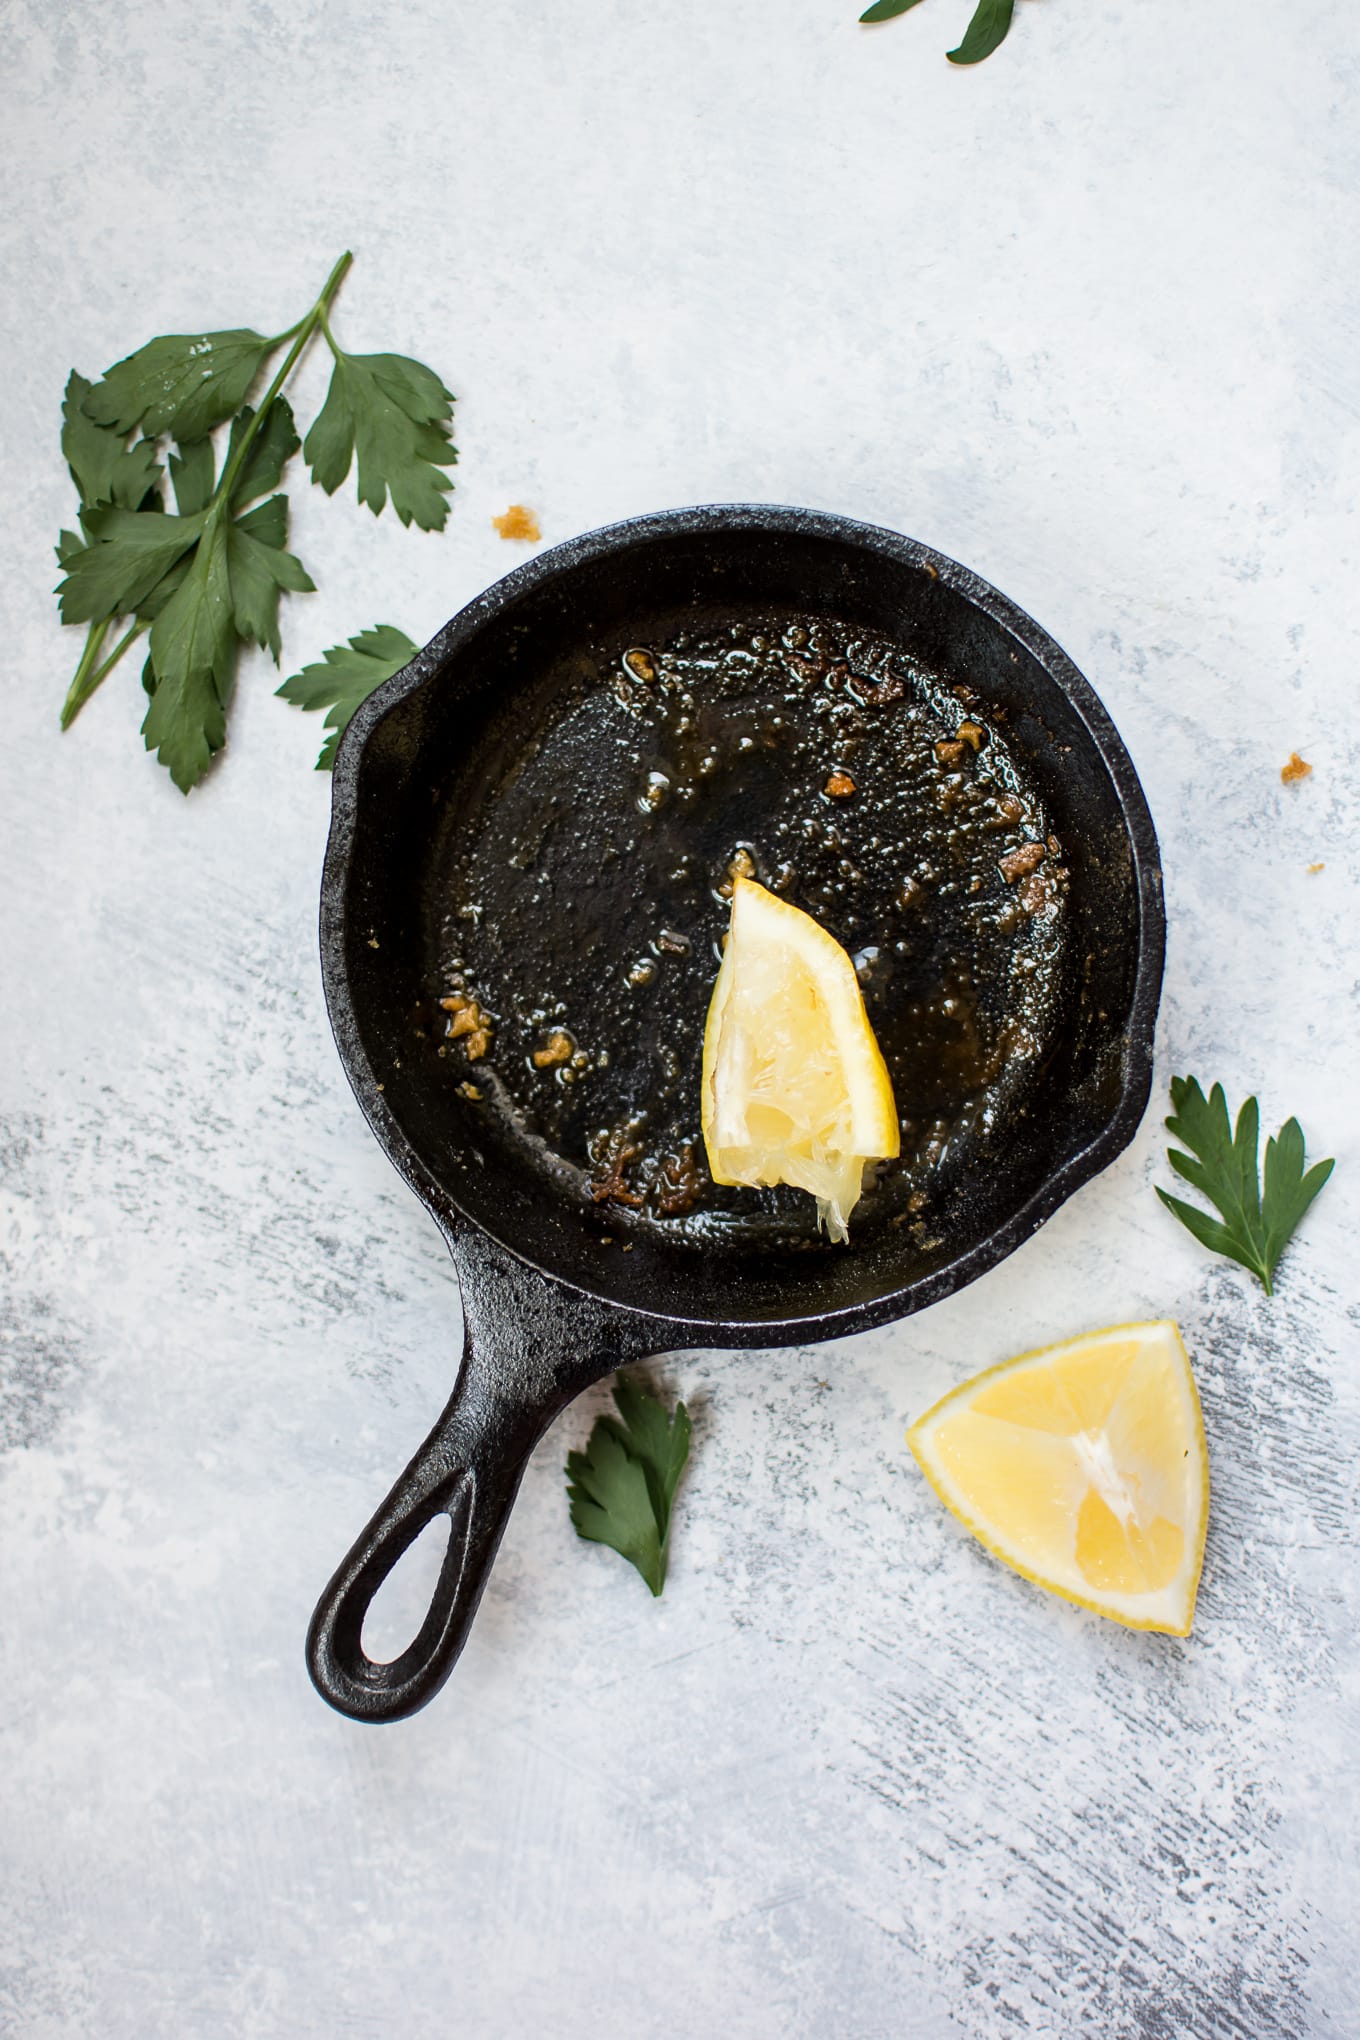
(703, 520)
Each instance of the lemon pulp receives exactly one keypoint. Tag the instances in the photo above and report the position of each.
(1084, 1467)
(794, 1087)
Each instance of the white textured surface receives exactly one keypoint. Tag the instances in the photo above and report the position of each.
(1085, 318)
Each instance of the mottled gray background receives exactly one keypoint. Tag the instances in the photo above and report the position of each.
(1085, 318)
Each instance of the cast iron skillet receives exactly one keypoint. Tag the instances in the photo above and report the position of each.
(551, 1300)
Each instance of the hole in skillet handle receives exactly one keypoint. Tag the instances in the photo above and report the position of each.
(397, 1611)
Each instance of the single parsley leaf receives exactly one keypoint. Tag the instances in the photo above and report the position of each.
(129, 551)
(659, 1442)
(1256, 1224)
(394, 413)
(886, 10)
(268, 522)
(154, 601)
(271, 450)
(611, 1504)
(103, 467)
(346, 675)
(185, 383)
(193, 658)
(193, 476)
(259, 568)
(986, 32)
(621, 1488)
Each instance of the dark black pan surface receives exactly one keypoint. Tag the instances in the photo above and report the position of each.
(561, 860)
(580, 897)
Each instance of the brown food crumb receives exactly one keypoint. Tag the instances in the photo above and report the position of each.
(878, 693)
(1017, 864)
(558, 1048)
(472, 1091)
(1317, 867)
(640, 664)
(951, 752)
(839, 785)
(518, 522)
(743, 865)
(1297, 768)
(468, 1024)
(611, 1185)
(678, 1183)
(972, 734)
(672, 943)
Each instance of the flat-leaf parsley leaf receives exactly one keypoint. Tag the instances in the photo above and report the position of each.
(104, 468)
(986, 31)
(183, 383)
(347, 674)
(394, 414)
(1257, 1222)
(622, 1487)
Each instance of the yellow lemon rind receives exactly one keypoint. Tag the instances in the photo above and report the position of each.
(918, 1436)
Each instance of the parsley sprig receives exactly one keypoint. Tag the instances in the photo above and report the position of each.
(622, 1486)
(1258, 1218)
(200, 582)
(986, 31)
(346, 676)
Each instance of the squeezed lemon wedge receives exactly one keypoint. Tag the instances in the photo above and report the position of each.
(794, 1087)
(1084, 1467)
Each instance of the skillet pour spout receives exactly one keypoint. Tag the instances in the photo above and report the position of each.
(530, 829)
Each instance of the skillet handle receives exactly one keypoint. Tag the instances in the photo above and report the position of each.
(529, 1347)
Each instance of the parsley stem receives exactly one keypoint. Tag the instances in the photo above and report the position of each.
(98, 677)
(82, 686)
(129, 638)
(88, 675)
(304, 330)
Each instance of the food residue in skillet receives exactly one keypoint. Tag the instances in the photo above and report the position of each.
(589, 900)
(468, 1024)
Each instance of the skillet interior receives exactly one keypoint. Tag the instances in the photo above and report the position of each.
(519, 717)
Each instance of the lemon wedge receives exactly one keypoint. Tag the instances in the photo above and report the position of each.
(794, 1087)
(1084, 1467)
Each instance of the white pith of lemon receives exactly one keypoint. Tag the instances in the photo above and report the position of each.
(1084, 1467)
(794, 1087)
